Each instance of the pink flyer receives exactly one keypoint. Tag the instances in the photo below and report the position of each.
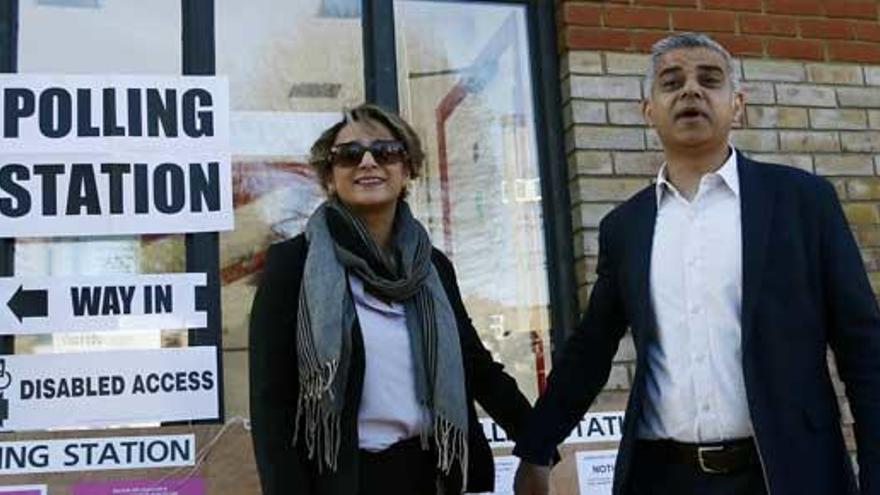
(190, 486)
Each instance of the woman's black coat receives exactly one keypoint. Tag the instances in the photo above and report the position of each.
(284, 468)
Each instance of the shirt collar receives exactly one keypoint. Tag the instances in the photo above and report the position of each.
(729, 173)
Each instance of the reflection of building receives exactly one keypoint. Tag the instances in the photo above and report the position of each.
(479, 196)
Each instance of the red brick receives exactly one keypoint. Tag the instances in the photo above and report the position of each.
(767, 24)
(668, 3)
(853, 51)
(855, 9)
(751, 5)
(867, 31)
(827, 29)
(799, 49)
(636, 18)
(802, 7)
(581, 14)
(644, 40)
(688, 20)
(741, 45)
(579, 38)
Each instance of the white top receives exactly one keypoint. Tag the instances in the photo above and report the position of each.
(695, 388)
(389, 410)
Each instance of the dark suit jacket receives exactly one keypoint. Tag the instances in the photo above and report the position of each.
(804, 288)
(284, 468)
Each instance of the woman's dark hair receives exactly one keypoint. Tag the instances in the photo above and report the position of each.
(320, 158)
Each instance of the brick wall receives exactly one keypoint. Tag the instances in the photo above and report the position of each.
(820, 116)
(820, 30)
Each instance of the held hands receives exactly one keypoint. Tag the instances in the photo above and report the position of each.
(531, 479)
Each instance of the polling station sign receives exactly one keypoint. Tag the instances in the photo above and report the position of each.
(121, 155)
(84, 113)
(91, 454)
(102, 303)
(42, 391)
(592, 428)
(23, 490)
(114, 194)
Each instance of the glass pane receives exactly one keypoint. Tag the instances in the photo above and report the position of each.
(99, 37)
(465, 84)
(293, 66)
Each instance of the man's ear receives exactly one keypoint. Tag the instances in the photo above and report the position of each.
(738, 107)
(647, 112)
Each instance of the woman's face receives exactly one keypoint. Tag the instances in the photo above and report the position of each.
(369, 170)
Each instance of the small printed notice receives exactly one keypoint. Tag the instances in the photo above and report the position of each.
(594, 427)
(505, 470)
(93, 454)
(173, 486)
(97, 303)
(42, 391)
(595, 470)
(23, 490)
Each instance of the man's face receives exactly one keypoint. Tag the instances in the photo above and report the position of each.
(692, 103)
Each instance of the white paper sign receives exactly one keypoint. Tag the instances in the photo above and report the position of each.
(23, 490)
(96, 303)
(86, 113)
(42, 391)
(505, 469)
(115, 194)
(90, 454)
(594, 427)
(595, 471)
(114, 155)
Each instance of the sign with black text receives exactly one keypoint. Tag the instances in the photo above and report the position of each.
(114, 155)
(89, 454)
(106, 302)
(592, 428)
(42, 391)
(595, 471)
(23, 490)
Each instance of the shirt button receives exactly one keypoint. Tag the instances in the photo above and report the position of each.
(701, 358)
(705, 407)
(695, 310)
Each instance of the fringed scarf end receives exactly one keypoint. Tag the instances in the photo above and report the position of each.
(316, 413)
(452, 446)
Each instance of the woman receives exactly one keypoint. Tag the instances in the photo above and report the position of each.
(364, 363)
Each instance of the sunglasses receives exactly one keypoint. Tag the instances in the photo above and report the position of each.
(384, 152)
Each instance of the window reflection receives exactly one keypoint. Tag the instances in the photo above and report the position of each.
(464, 83)
(287, 84)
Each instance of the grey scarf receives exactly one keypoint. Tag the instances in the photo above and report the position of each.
(339, 242)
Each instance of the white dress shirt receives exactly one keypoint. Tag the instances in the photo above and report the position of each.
(695, 388)
(389, 410)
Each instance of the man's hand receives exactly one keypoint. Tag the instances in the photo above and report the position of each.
(531, 479)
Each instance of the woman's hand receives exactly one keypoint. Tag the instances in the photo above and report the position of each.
(531, 479)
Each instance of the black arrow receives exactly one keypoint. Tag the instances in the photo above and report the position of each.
(28, 303)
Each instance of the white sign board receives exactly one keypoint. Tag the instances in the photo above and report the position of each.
(42, 391)
(595, 471)
(89, 454)
(96, 303)
(86, 113)
(23, 490)
(114, 155)
(594, 427)
(114, 194)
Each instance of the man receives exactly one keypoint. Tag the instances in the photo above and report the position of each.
(734, 277)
